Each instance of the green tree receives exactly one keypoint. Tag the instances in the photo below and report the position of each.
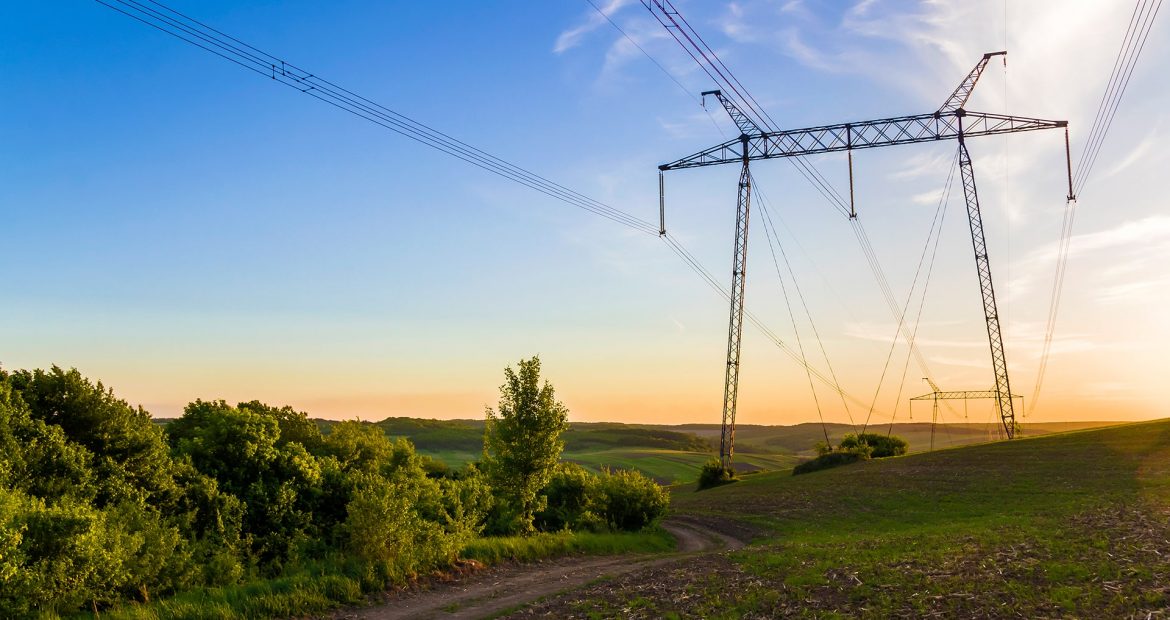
(295, 426)
(239, 449)
(130, 459)
(522, 444)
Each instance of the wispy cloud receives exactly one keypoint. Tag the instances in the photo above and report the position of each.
(1138, 153)
(572, 37)
(1141, 236)
(924, 163)
(927, 198)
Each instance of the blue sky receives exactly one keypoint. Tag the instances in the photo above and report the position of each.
(181, 228)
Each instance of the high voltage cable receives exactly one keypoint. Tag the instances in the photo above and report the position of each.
(711, 281)
(1141, 21)
(678, 27)
(940, 215)
(773, 234)
(661, 68)
(773, 241)
(909, 296)
(225, 46)
(644, 52)
(249, 57)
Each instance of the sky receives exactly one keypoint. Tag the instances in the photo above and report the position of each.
(179, 228)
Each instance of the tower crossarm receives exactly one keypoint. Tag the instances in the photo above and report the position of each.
(930, 127)
(961, 395)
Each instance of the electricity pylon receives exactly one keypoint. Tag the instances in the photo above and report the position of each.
(938, 395)
(950, 122)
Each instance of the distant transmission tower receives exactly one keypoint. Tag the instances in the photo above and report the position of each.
(938, 395)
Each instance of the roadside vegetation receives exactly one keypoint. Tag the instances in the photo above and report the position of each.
(250, 510)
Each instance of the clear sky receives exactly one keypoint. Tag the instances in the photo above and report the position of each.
(180, 228)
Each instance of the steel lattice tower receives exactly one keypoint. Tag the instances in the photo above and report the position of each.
(950, 122)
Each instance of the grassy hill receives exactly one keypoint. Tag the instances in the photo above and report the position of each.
(799, 438)
(664, 454)
(1071, 524)
(675, 453)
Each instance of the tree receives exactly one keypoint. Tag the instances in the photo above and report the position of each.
(522, 444)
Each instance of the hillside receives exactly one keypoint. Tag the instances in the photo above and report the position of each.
(674, 453)
(1073, 524)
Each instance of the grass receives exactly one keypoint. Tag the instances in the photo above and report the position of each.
(496, 549)
(1075, 524)
(670, 466)
(310, 590)
(326, 585)
(664, 465)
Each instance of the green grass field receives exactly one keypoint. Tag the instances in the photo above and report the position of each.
(672, 454)
(1074, 524)
(671, 466)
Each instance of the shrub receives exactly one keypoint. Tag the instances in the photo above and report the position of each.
(714, 474)
(572, 495)
(630, 500)
(386, 531)
(825, 461)
(874, 445)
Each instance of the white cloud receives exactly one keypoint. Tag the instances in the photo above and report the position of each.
(572, 37)
(931, 197)
(1148, 234)
(924, 163)
(1138, 153)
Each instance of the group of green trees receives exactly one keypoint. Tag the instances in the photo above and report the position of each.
(101, 505)
(853, 447)
(522, 450)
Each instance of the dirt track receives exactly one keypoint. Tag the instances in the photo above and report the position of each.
(498, 590)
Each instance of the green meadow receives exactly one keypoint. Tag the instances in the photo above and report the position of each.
(1073, 524)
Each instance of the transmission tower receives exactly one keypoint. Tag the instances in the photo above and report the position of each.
(950, 122)
(937, 394)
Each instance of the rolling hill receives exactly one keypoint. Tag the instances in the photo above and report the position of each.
(1069, 524)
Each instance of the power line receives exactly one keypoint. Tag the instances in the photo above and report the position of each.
(770, 234)
(644, 52)
(773, 234)
(1141, 21)
(249, 57)
(934, 225)
(678, 27)
(712, 282)
(939, 216)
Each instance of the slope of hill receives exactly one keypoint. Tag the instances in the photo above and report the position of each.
(1074, 524)
(675, 453)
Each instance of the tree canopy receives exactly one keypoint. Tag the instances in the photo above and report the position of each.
(522, 444)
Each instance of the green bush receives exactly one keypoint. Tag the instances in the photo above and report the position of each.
(825, 461)
(874, 445)
(630, 501)
(714, 474)
(402, 523)
(571, 495)
(386, 531)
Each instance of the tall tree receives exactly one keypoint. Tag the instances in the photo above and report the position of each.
(522, 442)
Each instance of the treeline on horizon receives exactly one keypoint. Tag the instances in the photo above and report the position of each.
(101, 506)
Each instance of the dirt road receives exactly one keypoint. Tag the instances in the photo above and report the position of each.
(497, 590)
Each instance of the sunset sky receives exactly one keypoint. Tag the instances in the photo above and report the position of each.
(180, 228)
